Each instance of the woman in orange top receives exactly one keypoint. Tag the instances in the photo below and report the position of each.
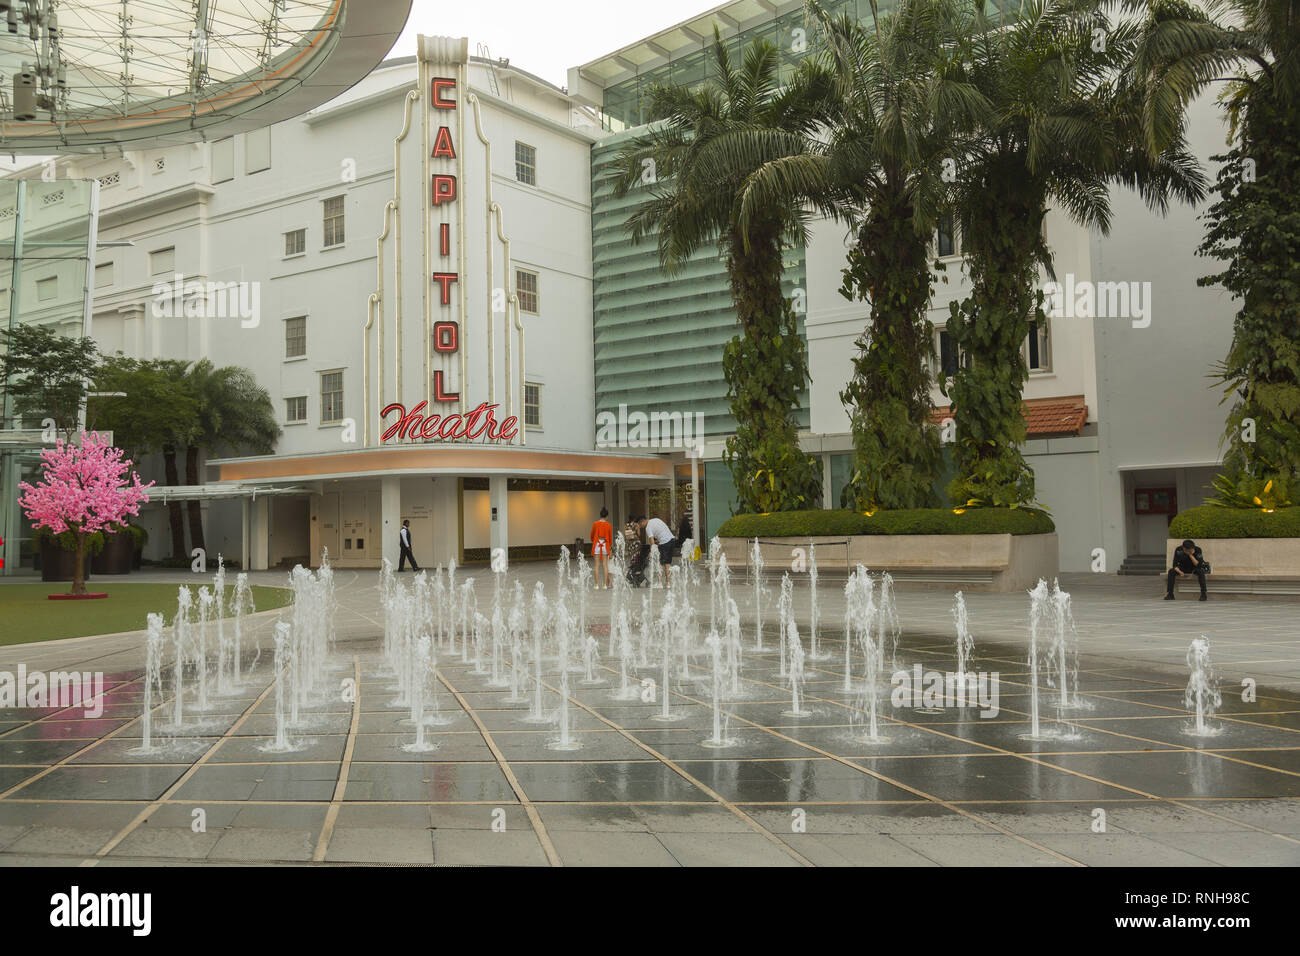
(602, 542)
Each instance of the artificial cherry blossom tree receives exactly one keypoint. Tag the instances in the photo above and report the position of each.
(84, 488)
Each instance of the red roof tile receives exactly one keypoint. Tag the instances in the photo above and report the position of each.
(1043, 416)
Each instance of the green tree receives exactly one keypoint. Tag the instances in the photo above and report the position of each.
(157, 412)
(46, 375)
(701, 146)
(1066, 127)
(1250, 50)
(900, 107)
(235, 414)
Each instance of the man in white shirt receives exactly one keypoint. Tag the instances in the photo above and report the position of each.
(660, 535)
(404, 540)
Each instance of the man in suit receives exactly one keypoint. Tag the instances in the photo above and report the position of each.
(404, 538)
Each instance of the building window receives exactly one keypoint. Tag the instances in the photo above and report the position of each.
(295, 242)
(950, 357)
(223, 160)
(47, 289)
(526, 163)
(257, 150)
(160, 164)
(1038, 352)
(162, 262)
(331, 397)
(946, 238)
(334, 221)
(295, 410)
(112, 179)
(532, 405)
(103, 274)
(295, 337)
(526, 287)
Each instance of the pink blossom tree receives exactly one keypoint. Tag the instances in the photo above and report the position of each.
(84, 488)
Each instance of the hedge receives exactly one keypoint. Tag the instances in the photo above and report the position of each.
(804, 524)
(1214, 521)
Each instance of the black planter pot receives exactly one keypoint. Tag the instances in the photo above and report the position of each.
(119, 550)
(57, 564)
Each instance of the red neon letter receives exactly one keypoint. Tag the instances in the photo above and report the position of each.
(509, 428)
(442, 146)
(441, 83)
(438, 394)
(446, 336)
(445, 279)
(444, 189)
(444, 239)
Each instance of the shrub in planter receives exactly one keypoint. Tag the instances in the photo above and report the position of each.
(804, 524)
(1216, 521)
(121, 545)
(58, 552)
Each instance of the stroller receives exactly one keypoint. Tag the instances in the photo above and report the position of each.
(636, 570)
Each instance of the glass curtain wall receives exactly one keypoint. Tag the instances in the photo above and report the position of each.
(47, 243)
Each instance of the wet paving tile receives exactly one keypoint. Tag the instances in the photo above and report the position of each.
(269, 782)
(425, 782)
(37, 751)
(647, 781)
(103, 783)
(1182, 774)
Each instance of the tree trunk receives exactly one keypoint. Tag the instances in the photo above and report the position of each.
(194, 508)
(79, 565)
(174, 517)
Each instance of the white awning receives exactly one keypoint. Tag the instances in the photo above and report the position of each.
(165, 494)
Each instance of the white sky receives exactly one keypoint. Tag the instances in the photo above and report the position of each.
(546, 37)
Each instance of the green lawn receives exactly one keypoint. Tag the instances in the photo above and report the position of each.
(27, 614)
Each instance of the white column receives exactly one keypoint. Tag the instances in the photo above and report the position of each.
(390, 516)
(499, 536)
(695, 499)
(826, 482)
(259, 535)
(446, 518)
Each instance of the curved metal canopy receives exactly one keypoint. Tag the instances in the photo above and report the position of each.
(98, 74)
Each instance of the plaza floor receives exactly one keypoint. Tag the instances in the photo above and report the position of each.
(1120, 782)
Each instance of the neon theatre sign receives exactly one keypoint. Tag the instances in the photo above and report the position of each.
(420, 423)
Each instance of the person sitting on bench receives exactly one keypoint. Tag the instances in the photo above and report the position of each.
(1187, 560)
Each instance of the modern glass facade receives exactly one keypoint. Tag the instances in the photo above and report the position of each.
(47, 240)
(659, 338)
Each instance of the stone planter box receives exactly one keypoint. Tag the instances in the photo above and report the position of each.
(973, 562)
(117, 556)
(1244, 565)
(57, 564)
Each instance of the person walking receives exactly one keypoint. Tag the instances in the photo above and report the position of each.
(404, 539)
(602, 542)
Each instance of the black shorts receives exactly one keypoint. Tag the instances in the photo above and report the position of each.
(666, 552)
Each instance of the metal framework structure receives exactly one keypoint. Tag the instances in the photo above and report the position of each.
(91, 74)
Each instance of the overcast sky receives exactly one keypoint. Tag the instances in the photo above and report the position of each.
(546, 37)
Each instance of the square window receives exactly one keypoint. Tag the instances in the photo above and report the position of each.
(946, 239)
(295, 242)
(532, 405)
(47, 289)
(331, 396)
(526, 288)
(295, 337)
(162, 262)
(526, 163)
(1038, 353)
(333, 221)
(295, 409)
(103, 274)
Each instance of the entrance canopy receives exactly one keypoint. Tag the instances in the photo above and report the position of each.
(102, 73)
(452, 459)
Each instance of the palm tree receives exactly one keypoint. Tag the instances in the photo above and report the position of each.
(701, 146)
(1252, 48)
(900, 108)
(1064, 128)
(234, 413)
